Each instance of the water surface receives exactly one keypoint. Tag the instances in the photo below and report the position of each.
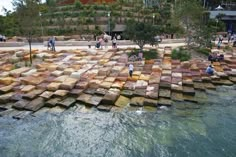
(186, 130)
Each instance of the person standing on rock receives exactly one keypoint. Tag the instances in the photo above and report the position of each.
(131, 69)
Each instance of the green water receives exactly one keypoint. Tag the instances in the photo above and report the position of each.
(207, 129)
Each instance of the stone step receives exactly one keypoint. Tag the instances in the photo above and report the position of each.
(35, 104)
(68, 102)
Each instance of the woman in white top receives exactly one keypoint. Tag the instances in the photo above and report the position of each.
(131, 68)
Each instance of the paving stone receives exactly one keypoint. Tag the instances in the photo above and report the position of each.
(90, 91)
(19, 71)
(84, 98)
(209, 86)
(164, 85)
(164, 102)
(52, 102)
(60, 93)
(6, 89)
(165, 93)
(20, 104)
(57, 73)
(129, 85)
(53, 86)
(190, 98)
(35, 104)
(127, 93)
(176, 96)
(68, 84)
(31, 80)
(139, 92)
(7, 80)
(101, 91)
(199, 86)
(32, 94)
(94, 100)
(188, 90)
(188, 83)
(141, 84)
(166, 79)
(67, 102)
(47, 94)
(82, 85)
(222, 82)
(150, 102)
(137, 101)
(6, 97)
(75, 92)
(122, 101)
(105, 108)
(111, 96)
(105, 84)
(233, 79)
(28, 88)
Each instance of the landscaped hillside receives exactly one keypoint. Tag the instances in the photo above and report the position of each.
(94, 18)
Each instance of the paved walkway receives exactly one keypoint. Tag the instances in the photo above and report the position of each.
(58, 48)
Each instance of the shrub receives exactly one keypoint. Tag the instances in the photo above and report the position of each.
(204, 51)
(150, 54)
(181, 54)
(78, 4)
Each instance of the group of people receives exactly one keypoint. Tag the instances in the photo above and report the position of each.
(103, 40)
(2, 38)
(214, 57)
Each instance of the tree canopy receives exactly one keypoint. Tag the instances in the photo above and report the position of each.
(141, 33)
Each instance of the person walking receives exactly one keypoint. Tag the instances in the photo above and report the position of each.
(114, 43)
(53, 42)
(131, 69)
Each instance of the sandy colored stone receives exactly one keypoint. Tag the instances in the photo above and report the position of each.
(27, 88)
(137, 101)
(6, 89)
(150, 102)
(32, 94)
(105, 84)
(122, 101)
(47, 94)
(84, 98)
(118, 84)
(57, 73)
(68, 84)
(60, 93)
(7, 80)
(18, 72)
(4, 98)
(165, 93)
(141, 84)
(33, 80)
(53, 86)
(61, 78)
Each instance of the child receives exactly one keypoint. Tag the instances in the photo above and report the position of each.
(131, 68)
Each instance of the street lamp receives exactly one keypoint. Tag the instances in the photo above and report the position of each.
(109, 28)
(40, 14)
(153, 17)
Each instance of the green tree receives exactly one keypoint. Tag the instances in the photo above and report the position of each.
(27, 12)
(189, 15)
(141, 33)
